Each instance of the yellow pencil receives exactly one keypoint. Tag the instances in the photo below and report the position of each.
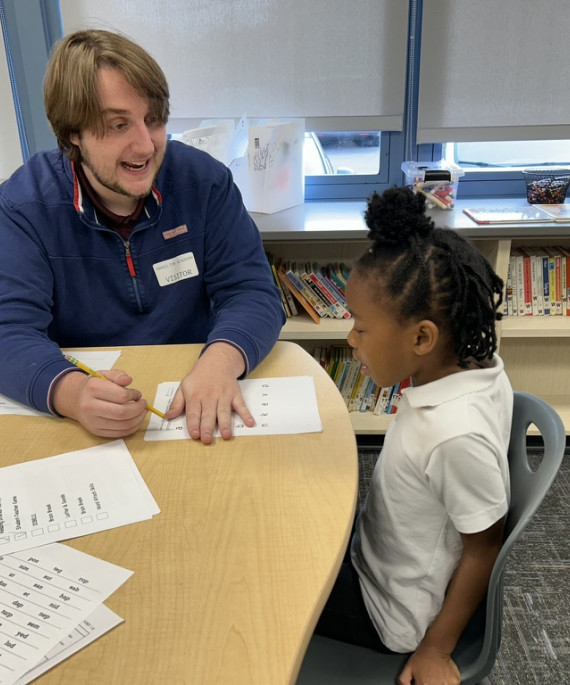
(96, 374)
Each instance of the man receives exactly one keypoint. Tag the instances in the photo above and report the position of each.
(122, 238)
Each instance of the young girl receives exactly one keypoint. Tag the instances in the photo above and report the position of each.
(424, 303)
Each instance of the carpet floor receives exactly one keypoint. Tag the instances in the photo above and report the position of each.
(535, 647)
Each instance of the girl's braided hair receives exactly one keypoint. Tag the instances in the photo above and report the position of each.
(431, 273)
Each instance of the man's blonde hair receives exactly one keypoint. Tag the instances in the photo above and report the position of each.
(71, 96)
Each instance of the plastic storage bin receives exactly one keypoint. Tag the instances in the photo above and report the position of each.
(436, 180)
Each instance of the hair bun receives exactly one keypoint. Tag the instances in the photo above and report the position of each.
(397, 216)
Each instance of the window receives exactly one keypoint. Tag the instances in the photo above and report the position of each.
(348, 152)
(495, 168)
(509, 154)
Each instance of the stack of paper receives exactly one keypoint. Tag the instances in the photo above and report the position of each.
(45, 594)
(51, 595)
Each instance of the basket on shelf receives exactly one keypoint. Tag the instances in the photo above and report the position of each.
(546, 186)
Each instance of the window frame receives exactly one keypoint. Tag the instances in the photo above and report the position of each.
(29, 33)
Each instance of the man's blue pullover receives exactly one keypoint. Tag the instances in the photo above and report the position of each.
(193, 270)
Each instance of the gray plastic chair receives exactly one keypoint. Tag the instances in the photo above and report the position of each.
(335, 663)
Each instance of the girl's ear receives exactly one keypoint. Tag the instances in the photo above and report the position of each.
(426, 337)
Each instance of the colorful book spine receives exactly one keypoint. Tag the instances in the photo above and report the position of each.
(307, 306)
(508, 305)
(280, 286)
(337, 307)
(294, 277)
(519, 281)
(545, 283)
(527, 283)
(565, 263)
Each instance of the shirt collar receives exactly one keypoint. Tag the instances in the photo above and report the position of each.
(455, 385)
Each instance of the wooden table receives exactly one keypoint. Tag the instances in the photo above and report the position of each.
(230, 578)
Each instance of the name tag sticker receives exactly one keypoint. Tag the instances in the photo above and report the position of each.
(178, 269)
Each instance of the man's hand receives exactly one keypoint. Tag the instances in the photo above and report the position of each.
(429, 666)
(210, 393)
(107, 409)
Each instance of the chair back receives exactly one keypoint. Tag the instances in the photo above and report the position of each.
(529, 485)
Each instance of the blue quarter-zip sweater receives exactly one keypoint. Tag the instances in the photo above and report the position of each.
(193, 270)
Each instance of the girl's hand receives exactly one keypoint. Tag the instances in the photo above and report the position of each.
(429, 666)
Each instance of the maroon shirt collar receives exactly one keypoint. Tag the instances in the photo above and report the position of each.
(123, 225)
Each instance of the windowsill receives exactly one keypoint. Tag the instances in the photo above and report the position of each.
(315, 220)
(344, 220)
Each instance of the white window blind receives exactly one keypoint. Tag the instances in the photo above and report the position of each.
(494, 70)
(341, 65)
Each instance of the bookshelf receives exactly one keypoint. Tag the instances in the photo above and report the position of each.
(536, 350)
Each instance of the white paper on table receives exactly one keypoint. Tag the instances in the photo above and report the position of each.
(69, 495)
(45, 593)
(96, 624)
(95, 359)
(278, 405)
(8, 406)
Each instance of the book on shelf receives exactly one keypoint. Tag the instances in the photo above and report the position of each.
(368, 391)
(554, 280)
(319, 290)
(319, 301)
(297, 294)
(543, 281)
(507, 215)
(334, 284)
(373, 394)
(343, 369)
(382, 400)
(396, 397)
(508, 304)
(537, 289)
(336, 353)
(526, 290)
(286, 298)
(315, 273)
(339, 273)
(517, 258)
(295, 275)
(358, 391)
(539, 281)
(565, 281)
(351, 380)
(320, 354)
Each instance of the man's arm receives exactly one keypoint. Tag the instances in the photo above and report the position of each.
(432, 662)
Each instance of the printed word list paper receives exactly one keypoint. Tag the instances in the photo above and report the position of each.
(278, 405)
(46, 593)
(70, 495)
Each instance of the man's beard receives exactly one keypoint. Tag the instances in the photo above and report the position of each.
(115, 186)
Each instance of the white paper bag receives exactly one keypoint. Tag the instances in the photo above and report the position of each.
(214, 137)
(275, 166)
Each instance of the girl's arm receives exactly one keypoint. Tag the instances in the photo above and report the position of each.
(432, 662)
